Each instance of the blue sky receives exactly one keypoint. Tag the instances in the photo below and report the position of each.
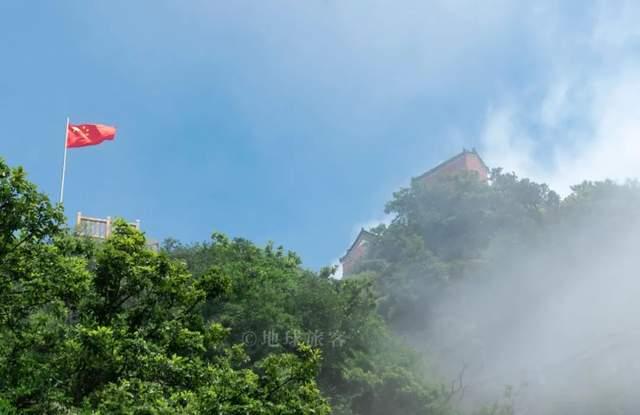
(294, 121)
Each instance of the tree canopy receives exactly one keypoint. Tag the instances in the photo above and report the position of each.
(483, 273)
(223, 327)
(113, 327)
(229, 327)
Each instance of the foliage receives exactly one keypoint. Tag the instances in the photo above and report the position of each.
(116, 328)
(227, 327)
(460, 255)
(272, 302)
(444, 229)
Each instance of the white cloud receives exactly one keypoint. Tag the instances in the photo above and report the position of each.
(339, 272)
(586, 126)
(507, 145)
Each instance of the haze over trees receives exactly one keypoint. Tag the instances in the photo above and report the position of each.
(473, 286)
(517, 286)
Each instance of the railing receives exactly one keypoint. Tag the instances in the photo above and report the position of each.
(97, 227)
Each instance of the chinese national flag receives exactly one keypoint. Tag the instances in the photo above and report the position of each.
(82, 135)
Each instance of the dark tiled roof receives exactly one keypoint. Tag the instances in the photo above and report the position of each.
(363, 231)
(452, 159)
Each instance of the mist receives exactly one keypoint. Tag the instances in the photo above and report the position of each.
(549, 316)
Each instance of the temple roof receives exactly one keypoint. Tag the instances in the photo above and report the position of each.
(362, 234)
(462, 154)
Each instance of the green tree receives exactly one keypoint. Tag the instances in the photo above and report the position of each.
(272, 303)
(116, 328)
(449, 228)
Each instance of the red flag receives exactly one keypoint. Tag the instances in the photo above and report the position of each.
(82, 135)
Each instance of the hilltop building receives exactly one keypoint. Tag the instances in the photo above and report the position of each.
(357, 251)
(100, 229)
(467, 160)
(97, 228)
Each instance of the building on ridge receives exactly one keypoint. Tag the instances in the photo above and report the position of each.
(467, 160)
(357, 251)
(101, 228)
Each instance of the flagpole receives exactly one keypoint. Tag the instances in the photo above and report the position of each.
(64, 162)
